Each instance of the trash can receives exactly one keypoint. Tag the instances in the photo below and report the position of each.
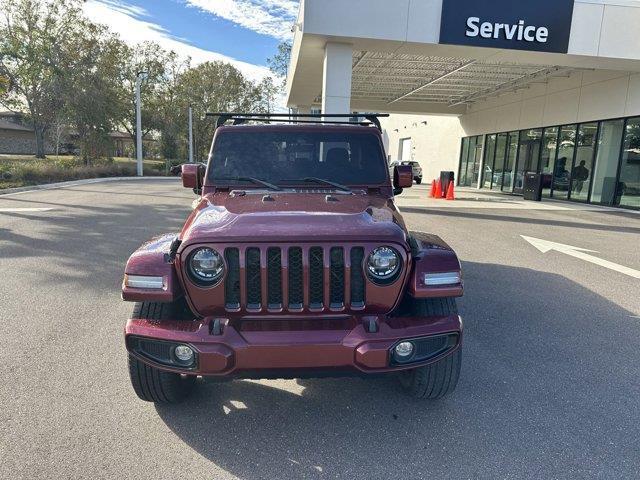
(533, 186)
(446, 177)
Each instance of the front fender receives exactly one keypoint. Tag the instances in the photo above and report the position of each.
(153, 259)
(432, 255)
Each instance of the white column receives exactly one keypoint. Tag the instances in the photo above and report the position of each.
(336, 79)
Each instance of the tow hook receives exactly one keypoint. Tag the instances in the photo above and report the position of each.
(371, 325)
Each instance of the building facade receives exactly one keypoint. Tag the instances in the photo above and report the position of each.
(551, 87)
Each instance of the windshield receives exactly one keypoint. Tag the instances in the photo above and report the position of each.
(292, 156)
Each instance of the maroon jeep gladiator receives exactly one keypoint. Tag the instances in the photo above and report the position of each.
(295, 262)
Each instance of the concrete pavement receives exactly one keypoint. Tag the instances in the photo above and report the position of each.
(549, 385)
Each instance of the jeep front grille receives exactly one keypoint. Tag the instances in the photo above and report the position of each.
(294, 278)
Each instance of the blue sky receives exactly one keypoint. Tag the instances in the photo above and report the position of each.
(243, 32)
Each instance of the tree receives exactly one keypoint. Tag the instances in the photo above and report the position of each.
(34, 34)
(279, 63)
(90, 93)
(215, 87)
(169, 106)
(4, 85)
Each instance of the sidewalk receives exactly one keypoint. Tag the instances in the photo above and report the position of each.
(470, 198)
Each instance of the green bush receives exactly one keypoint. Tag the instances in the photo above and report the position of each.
(16, 173)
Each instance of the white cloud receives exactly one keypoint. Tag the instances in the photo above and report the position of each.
(268, 17)
(133, 25)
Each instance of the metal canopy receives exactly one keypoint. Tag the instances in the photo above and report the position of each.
(390, 78)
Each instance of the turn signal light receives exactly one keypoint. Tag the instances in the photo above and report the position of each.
(144, 282)
(441, 279)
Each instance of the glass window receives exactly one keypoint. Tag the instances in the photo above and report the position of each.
(468, 167)
(510, 165)
(583, 165)
(548, 158)
(489, 154)
(566, 149)
(287, 156)
(470, 156)
(462, 174)
(629, 186)
(606, 169)
(475, 159)
(498, 166)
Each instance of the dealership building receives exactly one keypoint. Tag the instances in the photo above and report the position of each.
(491, 89)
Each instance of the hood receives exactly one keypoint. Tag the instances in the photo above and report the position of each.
(261, 216)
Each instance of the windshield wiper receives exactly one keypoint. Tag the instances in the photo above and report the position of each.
(339, 186)
(257, 181)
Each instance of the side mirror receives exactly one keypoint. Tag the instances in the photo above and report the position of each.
(402, 178)
(193, 176)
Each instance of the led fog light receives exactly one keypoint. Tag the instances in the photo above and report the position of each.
(184, 353)
(404, 350)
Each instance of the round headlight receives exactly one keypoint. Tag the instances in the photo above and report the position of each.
(206, 266)
(384, 264)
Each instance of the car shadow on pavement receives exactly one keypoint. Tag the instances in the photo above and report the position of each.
(548, 389)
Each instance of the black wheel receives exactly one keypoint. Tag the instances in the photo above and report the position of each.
(418, 181)
(149, 383)
(438, 379)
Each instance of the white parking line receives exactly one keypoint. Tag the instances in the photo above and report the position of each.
(24, 210)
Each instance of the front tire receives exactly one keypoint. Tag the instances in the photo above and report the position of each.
(418, 181)
(440, 378)
(150, 383)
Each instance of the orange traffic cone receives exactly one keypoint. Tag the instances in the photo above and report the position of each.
(432, 193)
(450, 192)
(438, 192)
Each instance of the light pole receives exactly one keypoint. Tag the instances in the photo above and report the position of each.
(141, 77)
(190, 134)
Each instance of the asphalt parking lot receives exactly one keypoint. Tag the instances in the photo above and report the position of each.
(550, 381)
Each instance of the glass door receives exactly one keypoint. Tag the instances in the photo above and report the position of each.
(470, 155)
(464, 153)
(628, 191)
(475, 161)
(582, 170)
(498, 165)
(489, 158)
(510, 163)
(528, 156)
(548, 158)
(606, 168)
(566, 152)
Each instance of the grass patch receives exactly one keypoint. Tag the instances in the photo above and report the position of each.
(23, 170)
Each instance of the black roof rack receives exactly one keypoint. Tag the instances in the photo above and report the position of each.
(240, 118)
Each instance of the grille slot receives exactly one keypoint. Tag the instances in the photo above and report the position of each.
(296, 295)
(357, 278)
(336, 278)
(232, 285)
(274, 278)
(254, 284)
(316, 277)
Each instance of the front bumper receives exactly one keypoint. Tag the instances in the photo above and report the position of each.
(236, 352)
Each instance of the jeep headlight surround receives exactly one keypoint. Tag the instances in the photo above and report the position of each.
(205, 266)
(384, 265)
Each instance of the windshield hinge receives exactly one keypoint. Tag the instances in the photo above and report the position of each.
(173, 250)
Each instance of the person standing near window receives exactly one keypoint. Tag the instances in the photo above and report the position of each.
(579, 175)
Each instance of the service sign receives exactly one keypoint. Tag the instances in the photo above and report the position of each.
(540, 25)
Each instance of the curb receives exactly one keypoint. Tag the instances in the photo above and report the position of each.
(73, 183)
